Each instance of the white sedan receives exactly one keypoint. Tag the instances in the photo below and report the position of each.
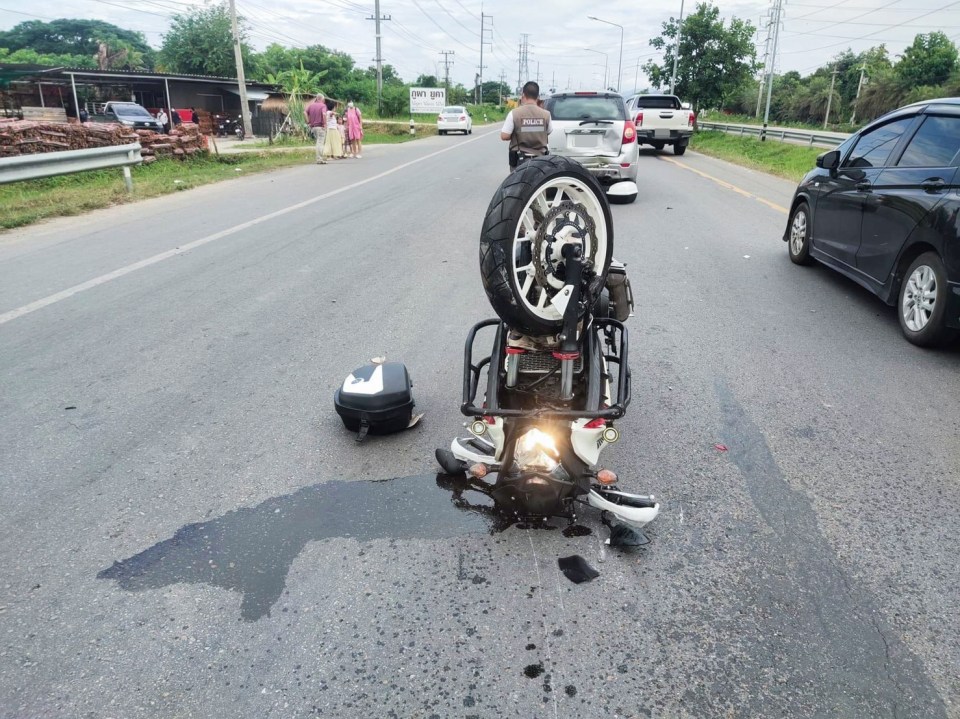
(454, 119)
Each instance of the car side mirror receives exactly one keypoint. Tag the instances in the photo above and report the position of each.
(829, 161)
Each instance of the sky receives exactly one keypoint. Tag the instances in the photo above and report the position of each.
(568, 49)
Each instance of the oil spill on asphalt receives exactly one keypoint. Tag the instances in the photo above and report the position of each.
(533, 670)
(577, 530)
(250, 550)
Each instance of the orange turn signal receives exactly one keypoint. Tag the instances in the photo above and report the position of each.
(479, 470)
(606, 477)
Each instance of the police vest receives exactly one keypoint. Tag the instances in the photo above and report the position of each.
(530, 125)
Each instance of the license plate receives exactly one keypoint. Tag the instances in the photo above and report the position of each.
(586, 140)
(661, 133)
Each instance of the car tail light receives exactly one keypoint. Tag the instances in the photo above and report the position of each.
(463, 118)
(629, 133)
(639, 119)
(693, 119)
(439, 118)
(584, 93)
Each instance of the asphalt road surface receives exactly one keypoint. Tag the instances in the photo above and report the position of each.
(186, 530)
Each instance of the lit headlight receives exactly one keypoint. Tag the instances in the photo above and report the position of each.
(537, 449)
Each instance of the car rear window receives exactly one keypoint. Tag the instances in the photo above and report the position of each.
(451, 110)
(657, 102)
(934, 145)
(586, 107)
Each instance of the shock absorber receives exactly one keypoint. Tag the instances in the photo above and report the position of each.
(569, 350)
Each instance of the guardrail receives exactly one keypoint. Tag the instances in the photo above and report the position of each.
(51, 164)
(783, 134)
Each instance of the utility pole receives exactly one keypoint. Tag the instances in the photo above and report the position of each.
(524, 61)
(483, 41)
(833, 80)
(519, 67)
(503, 79)
(676, 50)
(377, 18)
(241, 79)
(778, 9)
(447, 62)
(766, 60)
(853, 117)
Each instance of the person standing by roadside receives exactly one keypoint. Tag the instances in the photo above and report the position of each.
(162, 119)
(342, 129)
(527, 127)
(354, 121)
(316, 114)
(332, 145)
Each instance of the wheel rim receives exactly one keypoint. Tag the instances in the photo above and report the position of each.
(562, 211)
(919, 298)
(798, 232)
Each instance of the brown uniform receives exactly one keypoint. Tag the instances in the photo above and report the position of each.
(531, 127)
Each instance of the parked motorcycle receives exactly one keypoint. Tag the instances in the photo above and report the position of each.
(227, 125)
(557, 376)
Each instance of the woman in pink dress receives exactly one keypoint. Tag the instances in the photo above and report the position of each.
(354, 122)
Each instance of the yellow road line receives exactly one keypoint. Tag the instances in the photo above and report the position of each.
(727, 185)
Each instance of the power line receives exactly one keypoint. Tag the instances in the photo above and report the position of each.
(452, 17)
(876, 32)
(440, 27)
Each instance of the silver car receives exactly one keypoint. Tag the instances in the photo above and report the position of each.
(594, 129)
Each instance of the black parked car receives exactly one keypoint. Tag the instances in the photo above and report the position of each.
(882, 209)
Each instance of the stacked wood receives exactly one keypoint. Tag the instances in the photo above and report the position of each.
(206, 123)
(23, 137)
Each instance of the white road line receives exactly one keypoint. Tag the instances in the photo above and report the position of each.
(102, 279)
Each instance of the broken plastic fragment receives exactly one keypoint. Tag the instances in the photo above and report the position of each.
(623, 535)
(720, 447)
(576, 569)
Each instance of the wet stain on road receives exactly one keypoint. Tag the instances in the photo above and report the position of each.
(829, 627)
(533, 670)
(250, 550)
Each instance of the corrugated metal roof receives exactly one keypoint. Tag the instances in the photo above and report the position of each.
(131, 74)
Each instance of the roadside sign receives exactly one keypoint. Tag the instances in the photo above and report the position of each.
(427, 100)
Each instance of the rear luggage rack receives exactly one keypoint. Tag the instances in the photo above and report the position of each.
(494, 362)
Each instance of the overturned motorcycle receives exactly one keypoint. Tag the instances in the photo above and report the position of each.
(557, 376)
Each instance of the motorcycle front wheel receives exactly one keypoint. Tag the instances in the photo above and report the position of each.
(546, 203)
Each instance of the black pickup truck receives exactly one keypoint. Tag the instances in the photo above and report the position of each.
(130, 114)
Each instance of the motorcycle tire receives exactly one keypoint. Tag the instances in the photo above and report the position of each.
(527, 219)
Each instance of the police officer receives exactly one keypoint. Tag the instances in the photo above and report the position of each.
(527, 126)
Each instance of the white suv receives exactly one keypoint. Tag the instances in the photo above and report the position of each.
(594, 129)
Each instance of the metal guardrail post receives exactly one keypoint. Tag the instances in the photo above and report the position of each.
(51, 164)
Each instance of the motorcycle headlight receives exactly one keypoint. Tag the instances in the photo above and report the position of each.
(536, 449)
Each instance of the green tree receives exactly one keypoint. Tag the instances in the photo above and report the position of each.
(32, 57)
(70, 37)
(493, 90)
(928, 61)
(426, 81)
(714, 61)
(200, 43)
(334, 67)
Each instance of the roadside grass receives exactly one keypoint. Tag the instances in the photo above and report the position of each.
(776, 158)
(23, 203)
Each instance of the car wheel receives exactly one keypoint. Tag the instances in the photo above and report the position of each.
(798, 243)
(679, 149)
(442, 132)
(923, 302)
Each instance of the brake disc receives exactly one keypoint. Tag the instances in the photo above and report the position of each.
(556, 219)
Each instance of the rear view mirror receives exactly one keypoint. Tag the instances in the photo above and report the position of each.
(829, 160)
